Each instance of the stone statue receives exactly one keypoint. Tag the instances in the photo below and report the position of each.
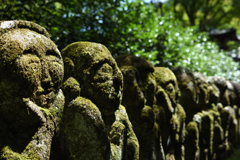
(172, 129)
(227, 114)
(189, 99)
(138, 98)
(233, 110)
(236, 103)
(207, 119)
(218, 133)
(96, 126)
(31, 103)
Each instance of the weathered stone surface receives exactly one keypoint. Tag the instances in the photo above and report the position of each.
(227, 113)
(125, 133)
(85, 130)
(92, 65)
(31, 103)
(94, 120)
(192, 150)
(173, 132)
(207, 120)
(138, 98)
(218, 133)
(189, 91)
(236, 102)
(233, 119)
(189, 99)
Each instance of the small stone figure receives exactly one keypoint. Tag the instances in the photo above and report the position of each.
(188, 99)
(236, 102)
(207, 120)
(212, 108)
(227, 113)
(138, 98)
(96, 126)
(31, 103)
(173, 127)
(233, 120)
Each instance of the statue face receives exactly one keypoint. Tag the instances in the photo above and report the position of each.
(133, 94)
(221, 84)
(231, 93)
(203, 86)
(167, 81)
(98, 74)
(38, 66)
(189, 90)
(147, 84)
(107, 82)
(33, 71)
(139, 82)
(214, 93)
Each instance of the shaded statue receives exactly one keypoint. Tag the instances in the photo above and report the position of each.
(95, 125)
(189, 99)
(218, 145)
(233, 110)
(31, 103)
(236, 103)
(206, 127)
(227, 114)
(138, 98)
(172, 127)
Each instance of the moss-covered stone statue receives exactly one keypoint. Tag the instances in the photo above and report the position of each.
(189, 99)
(236, 103)
(96, 126)
(218, 133)
(138, 98)
(227, 113)
(31, 103)
(207, 119)
(233, 110)
(172, 129)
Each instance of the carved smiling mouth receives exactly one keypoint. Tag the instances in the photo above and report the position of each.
(115, 92)
(116, 88)
(43, 97)
(197, 98)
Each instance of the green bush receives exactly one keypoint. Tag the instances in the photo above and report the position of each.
(191, 49)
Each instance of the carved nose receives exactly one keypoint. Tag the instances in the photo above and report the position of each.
(46, 79)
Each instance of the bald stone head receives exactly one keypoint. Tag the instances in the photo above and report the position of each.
(166, 80)
(139, 82)
(31, 68)
(187, 85)
(93, 66)
(202, 83)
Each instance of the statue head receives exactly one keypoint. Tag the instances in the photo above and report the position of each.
(202, 83)
(221, 84)
(231, 93)
(139, 82)
(214, 93)
(31, 67)
(167, 81)
(236, 86)
(187, 85)
(93, 66)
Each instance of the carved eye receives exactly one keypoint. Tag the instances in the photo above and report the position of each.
(205, 86)
(169, 87)
(103, 73)
(53, 53)
(28, 51)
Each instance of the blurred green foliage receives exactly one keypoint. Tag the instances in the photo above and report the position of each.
(127, 27)
(192, 49)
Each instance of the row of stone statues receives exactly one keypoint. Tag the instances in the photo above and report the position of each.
(83, 104)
